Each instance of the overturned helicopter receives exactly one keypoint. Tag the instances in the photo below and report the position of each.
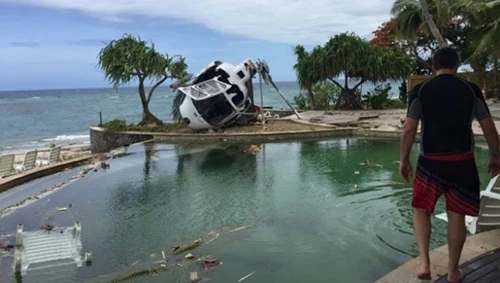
(221, 94)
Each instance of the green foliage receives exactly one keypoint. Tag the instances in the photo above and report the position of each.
(325, 95)
(347, 53)
(115, 126)
(350, 56)
(122, 126)
(130, 58)
(302, 101)
(379, 99)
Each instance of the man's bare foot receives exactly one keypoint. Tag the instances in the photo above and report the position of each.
(424, 272)
(455, 277)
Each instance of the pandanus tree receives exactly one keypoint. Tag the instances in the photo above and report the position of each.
(130, 58)
(354, 60)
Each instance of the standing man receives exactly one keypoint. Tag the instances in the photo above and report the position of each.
(446, 105)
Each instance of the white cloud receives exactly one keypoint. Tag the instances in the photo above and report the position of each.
(287, 21)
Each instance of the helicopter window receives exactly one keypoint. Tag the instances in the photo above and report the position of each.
(241, 74)
(238, 98)
(215, 109)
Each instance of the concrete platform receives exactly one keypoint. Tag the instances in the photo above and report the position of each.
(475, 246)
(23, 177)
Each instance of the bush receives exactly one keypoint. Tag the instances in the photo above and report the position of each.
(325, 95)
(115, 125)
(121, 126)
(301, 101)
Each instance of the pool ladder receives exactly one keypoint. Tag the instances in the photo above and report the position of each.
(47, 249)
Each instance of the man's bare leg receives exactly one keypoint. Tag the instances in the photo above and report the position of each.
(456, 240)
(422, 227)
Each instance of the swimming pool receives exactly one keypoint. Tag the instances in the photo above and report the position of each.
(313, 211)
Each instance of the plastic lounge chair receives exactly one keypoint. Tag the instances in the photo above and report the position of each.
(6, 165)
(489, 213)
(28, 163)
(54, 157)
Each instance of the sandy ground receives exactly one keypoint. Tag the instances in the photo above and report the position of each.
(382, 120)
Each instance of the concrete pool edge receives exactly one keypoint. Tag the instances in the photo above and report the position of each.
(39, 172)
(475, 246)
(103, 141)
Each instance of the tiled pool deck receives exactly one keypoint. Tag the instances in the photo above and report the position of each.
(475, 261)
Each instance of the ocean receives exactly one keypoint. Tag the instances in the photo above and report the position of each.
(35, 119)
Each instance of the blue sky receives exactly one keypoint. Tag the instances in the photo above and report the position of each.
(48, 44)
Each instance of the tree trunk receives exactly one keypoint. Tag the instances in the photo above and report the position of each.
(348, 100)
(312, 100)
(147, 116)
(432, 25)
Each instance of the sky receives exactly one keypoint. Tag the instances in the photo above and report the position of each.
(52, 44)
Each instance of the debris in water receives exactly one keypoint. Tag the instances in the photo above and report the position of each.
(62, 209)
(253, 149)
(239, 229)
(356, 172)
(209, 263)
(189, 256)
(163, 255)
(88, 257)
(367, 162)
(245, 277)
(192, 246)
(213, 239)
(193, 276)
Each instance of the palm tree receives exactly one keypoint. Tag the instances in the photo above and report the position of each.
(415, 16)
(484, 18)
(430, 22)
(305, 73)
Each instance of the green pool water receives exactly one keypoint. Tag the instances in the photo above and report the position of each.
(314, 213)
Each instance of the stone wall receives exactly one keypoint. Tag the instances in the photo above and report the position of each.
(102, 141)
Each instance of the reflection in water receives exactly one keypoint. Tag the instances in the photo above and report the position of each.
(310, 215)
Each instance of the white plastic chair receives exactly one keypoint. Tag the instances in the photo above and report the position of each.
(489, 213)
(6, 165)
(54, 157)
(29, 162)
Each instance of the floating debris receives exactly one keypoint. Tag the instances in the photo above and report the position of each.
(245, 277)
(210, 263)
(62, 209)
(194, 245)
(253, 149)
(239, 229)
(213, 239)
(368, 163)
(193, 276)
(189, 256)
(356, 172)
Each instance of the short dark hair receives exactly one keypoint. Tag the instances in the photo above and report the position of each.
(446, 58)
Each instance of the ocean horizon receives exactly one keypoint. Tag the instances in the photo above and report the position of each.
(35, 119)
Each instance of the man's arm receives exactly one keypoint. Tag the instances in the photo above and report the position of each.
(491, 135)
(411, 124)
(483, 116)
(408, 138)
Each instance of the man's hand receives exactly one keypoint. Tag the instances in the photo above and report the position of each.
(494, 166)
(406, 170)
